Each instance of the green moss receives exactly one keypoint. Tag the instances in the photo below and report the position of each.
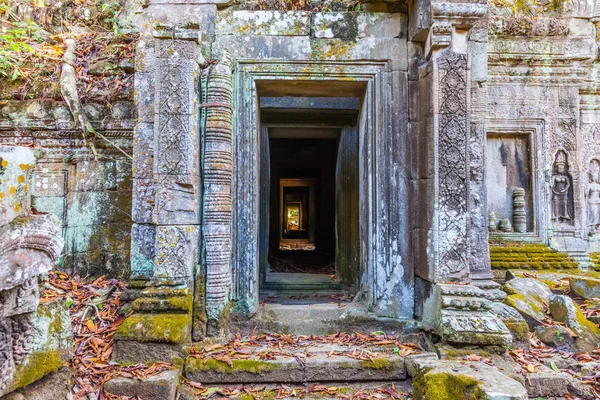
(536, 256)
(36, 366)
(164, 328)
(176, 303)
(583, 321)
(377, 363)
(445, 385)
(251, 366)
(519, 329)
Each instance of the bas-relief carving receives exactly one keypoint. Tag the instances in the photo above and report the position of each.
(593, 196)
(562, 190)
(453, 164)
(30, 244)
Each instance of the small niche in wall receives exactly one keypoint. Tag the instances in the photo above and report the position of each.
(509, 183)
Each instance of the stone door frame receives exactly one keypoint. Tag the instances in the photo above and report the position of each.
(533, 129)
(383, 264)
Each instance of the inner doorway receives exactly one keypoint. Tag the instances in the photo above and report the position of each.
(309, 194)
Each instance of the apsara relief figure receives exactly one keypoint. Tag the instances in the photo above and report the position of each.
(562, 190)
(593, 196)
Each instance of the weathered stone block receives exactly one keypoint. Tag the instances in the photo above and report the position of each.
(50, 180)
(143, 252)
(53, 205)
(270, 23)
(175, 86)
(556, 336)
(564, 309)
(133, 352)
(143, 201)
(350, 25)
(282, 369)
(39, 345)
(369, 48)
(145, 88)
(178, 200)
(547, 383)
(513, 320)
(528, 295)
(145, 58)
(435, 379)
(179, 50)
(143, 151)
(156, 328)
(16, 168)
(263, 47)
(177, 145)
(56, 385)
(162, 386)
(582, 286)
(176, 251)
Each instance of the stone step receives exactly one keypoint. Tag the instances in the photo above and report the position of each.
(318, 319)
(162, 386)
(318, 368)
(309, 391)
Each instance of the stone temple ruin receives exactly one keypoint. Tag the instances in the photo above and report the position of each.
(405, 156)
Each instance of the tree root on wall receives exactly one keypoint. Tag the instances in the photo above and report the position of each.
(68, 90)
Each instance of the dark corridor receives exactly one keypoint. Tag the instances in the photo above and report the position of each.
(302, 205)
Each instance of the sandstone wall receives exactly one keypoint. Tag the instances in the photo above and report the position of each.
(91, 198)
(543, 88)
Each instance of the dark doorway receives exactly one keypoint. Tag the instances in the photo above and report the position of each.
(302, 206)
(309, 234)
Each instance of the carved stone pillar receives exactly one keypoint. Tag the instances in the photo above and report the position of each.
(165, 246)
(217, 156)
(454, 304)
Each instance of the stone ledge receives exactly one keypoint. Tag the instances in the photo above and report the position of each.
(320, 368)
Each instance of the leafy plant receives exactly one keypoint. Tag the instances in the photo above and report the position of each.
(14, 43)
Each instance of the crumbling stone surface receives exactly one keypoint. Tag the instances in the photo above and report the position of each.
(527, 296)
(547, 383)
(555, 336)
(56, 385)
(319, 368)
(38, 345)
(35, 340)
(564, 309)
(454, 380)
(513, 320)
(156, 387)
(585, 287)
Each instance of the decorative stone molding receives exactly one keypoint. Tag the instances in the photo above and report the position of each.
(527, 26)
(462, 316)
(451, 129)
(448, 17)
